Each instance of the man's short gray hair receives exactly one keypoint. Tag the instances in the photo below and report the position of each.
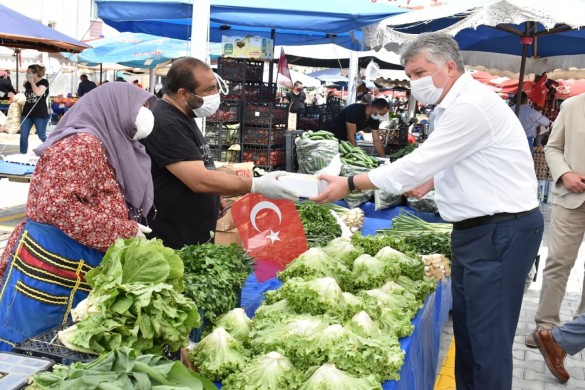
(438, 48)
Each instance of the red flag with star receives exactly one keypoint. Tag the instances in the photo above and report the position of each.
(283, 76)
(539, 91)
(271, 232)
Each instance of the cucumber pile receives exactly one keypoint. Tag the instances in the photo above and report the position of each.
(318, 135)
(354, 155)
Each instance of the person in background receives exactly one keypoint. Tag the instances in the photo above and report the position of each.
(36, 109)
(564, 156)
(497, 225)
(361, 116)
(120, 76)
(296, 98)
(7, 91)
(136, 83)
(91, 186)
(531, 120)
(85, 85)
(556, 343)
(187, 187)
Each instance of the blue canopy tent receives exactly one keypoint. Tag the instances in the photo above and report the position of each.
(298, 22)
(21, 32)
(525, 35)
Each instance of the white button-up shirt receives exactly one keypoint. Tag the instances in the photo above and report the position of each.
(477, 155)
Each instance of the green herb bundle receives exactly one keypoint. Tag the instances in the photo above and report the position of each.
(319, 224)
(214, 276)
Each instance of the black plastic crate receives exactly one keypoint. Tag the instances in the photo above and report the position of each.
(47, 345)
(265, 157)
(292, 164)
(396, 138)
(263, 136)
(222, 133)
(228, 111)
(265, 114)
(240, 69)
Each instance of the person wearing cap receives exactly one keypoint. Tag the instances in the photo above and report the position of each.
(6, 88)
(120, 76)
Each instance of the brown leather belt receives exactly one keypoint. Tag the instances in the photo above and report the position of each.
(483, 220)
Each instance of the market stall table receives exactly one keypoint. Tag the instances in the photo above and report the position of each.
(15, 171)
(421, 347)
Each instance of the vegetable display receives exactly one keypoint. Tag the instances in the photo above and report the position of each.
(214, 276)
(135, 302)
(315, 151)
(123, 369)
(328, 377)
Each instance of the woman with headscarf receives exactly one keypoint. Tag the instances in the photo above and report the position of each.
(91, 185)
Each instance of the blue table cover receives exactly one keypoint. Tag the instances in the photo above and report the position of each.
(10, 168)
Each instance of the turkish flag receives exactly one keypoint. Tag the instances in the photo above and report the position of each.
(283, 76)
(539, 91)
(271, 232)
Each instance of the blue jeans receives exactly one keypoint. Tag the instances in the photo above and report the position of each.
(26, 125)
(490, 264)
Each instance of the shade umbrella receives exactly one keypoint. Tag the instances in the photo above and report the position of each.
(526, 35)
(568, 88)
(21, 32)
(135, 50)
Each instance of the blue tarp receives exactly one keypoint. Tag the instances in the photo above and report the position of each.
(10, 168)
(298, 22)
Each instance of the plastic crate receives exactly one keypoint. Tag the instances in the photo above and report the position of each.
(47, 345)
(228, 111)
(396, 138)
(292, 164)
(265, 157)
(263, 136)
(16, 369)
(222, 134)
(240, 69)
(265, 114)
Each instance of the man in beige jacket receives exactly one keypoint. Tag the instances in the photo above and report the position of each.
(565, 158)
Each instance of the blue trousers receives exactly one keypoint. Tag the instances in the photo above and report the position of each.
(490, 264)
(26, 125)
(571, 335)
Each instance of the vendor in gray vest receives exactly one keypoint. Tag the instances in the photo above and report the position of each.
(357, 117)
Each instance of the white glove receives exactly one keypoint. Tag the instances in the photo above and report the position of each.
(269, 186)
(142, 230)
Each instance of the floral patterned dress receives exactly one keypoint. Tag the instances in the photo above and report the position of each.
(75, 189)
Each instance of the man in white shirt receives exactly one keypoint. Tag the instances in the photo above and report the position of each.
(480, 165)
(530, 120)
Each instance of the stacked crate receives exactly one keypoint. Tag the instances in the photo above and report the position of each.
(222, 131)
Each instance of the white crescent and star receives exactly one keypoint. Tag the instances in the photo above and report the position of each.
(263, 205)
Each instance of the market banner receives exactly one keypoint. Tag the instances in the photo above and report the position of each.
(271, 232)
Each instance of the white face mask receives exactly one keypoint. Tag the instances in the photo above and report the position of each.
(209, 106)
(144, 123)
(378, 117)
(424, 89)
